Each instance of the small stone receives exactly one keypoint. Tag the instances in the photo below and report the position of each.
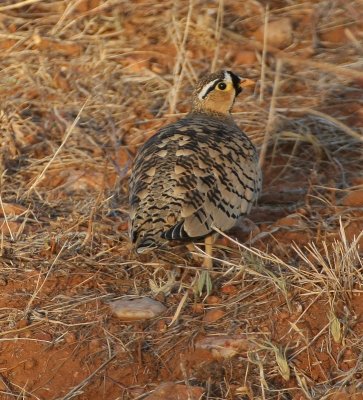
(22, 323)
(292, 220)
(174, 391)
(70, 337)
(353, 199)
(229, 289)
(245, 57)
(198, 308)
(213, 315)
(213, 300)
(336, 35)
(9, 227)
(279, 33)
(9, 209)
(135, 309)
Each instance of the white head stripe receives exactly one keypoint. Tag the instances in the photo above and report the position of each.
(227, 76)
(206, 88)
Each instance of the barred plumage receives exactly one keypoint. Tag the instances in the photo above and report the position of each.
(196, 174)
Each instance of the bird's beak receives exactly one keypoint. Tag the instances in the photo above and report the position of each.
(246, 82)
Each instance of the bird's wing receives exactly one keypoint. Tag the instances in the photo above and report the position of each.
(216, 182)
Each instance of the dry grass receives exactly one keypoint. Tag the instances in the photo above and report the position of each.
(83, 84)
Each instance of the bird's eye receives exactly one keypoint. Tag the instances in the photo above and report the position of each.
(221, 86)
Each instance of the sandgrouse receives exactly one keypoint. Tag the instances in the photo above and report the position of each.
(196, 174)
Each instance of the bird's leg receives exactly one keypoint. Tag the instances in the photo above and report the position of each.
(205, 280)
(208, 249)
(208, 243)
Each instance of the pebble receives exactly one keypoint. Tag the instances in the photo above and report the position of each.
(22, 323)
(246, 57)
(279, 33)
(198, 308)
(292, 220)
(213, 300)
(174, 391)
(70, 337)
(9, 209)
(229, 289)
(136, 309)
(213, 315)
(353, 199)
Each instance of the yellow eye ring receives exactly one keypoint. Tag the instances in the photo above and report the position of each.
(222, 86)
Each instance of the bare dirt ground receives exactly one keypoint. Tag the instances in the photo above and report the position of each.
(82, 85)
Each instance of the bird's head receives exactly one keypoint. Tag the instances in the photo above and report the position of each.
(216, 92)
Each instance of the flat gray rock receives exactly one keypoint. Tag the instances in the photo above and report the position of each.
(135, 309)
